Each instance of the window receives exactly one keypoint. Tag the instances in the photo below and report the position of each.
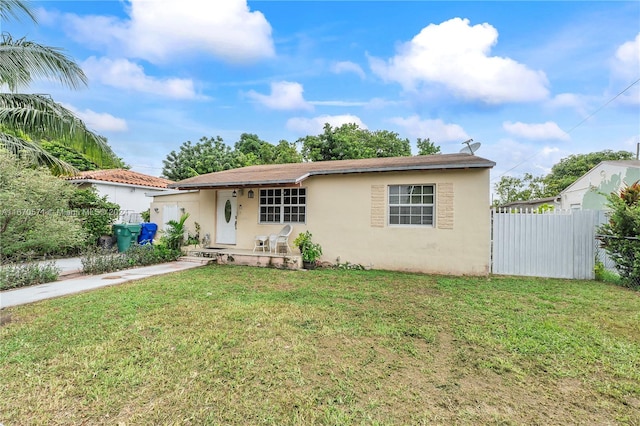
(411, 204)
(286, 205)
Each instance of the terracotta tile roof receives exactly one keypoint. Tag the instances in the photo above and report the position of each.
(288, 174)
(121, 176)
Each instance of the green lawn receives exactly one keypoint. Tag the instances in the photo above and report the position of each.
(241, 345)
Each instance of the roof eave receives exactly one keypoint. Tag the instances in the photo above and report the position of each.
(486, 165)
(243, 184)
(298, 180)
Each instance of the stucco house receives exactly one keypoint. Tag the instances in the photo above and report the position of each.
(421, 213)
(123, 187)
(589, 191)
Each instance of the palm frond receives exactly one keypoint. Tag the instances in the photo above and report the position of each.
(34, 154)
(15, 8)
(22, 61)
(43, 119)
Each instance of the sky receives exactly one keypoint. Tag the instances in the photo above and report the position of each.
(533, 82)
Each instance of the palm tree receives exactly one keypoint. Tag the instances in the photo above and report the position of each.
(26, 119)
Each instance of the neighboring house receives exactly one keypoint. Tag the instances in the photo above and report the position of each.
(534, 204)
(589, 191)
(123, 187)
(421, 213)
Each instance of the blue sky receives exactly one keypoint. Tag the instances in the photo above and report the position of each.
(532, 81)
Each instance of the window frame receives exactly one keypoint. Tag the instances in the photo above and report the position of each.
(411, 206)
(280, 207)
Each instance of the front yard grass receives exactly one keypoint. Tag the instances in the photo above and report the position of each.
(242, 345)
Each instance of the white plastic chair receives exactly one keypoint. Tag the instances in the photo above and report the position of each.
(281, 238)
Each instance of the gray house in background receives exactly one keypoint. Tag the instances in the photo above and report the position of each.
(590, 191)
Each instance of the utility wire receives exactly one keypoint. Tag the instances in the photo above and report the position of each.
(573, 128)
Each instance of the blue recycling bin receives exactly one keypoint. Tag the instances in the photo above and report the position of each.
(147, 232)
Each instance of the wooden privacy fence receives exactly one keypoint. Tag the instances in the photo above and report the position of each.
(556, 244)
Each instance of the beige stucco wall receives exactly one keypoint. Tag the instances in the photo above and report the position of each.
(340, 218)
(200, 206)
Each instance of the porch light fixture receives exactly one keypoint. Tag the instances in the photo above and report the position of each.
(250, 193)
(234, 194)
(155, 209)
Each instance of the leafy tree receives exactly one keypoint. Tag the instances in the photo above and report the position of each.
(562, 174)
(620, 234)
(29, 118)
(569, 169)
(426, 147)
(349, 141)
(35, 219)
(286, 152)
(213, 155)
(510, 189)
(207, 156)
(96, 213)
(76, 159)
(255, 150)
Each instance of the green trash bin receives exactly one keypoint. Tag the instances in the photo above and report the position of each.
(135, 229)
(126, 235)
(123, 236)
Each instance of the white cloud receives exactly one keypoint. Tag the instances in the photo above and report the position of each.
(100, 122)
(158, 31)
(346, 67)
(549, 150)
(624, 68)
(626, 62)
(315, 126)
(570, 100)
(436, 130)
(379, 103)
(340, 103)
(46, 17)
(548, 130)
(285, 95)
(124, 74)
(456, 56)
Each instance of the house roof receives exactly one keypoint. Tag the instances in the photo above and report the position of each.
(531, 203)
(295, 173)
(121, 176)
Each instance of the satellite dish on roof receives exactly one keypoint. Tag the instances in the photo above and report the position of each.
(471, 148)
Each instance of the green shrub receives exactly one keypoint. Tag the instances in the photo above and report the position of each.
(174, 234)
(95, 213)
(101, 261)
(310, 251)
(150, 254)
(619, 235)
(14, 275)
(35, 219)
(146, 215)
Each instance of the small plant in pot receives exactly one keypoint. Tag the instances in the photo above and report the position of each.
(310, 251)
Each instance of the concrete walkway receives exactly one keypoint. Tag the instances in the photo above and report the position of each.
(21, 296)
